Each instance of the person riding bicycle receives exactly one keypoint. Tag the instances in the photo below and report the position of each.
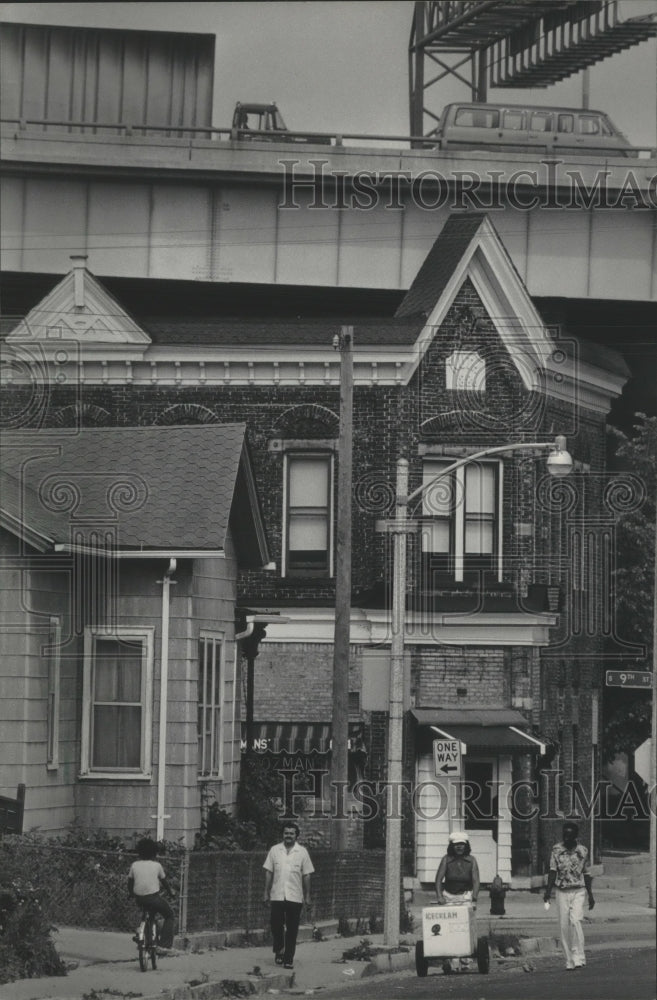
(145, 880)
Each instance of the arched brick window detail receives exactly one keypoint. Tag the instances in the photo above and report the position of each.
(307, 420)
(186, 413)
(82, 415)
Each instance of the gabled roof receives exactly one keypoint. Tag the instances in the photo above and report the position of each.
(80, 309)
(440, 263)
(271, 333)
(214, 349)
(147, 489)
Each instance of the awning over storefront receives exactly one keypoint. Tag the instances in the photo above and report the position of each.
(294, 737)
(289, 737)
(492, 729)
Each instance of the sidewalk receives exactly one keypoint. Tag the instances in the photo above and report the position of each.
(108, 961)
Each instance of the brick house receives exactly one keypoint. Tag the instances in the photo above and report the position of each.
(119, 678)
(500, 655)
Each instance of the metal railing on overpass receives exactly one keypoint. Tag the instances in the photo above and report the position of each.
(187, 134)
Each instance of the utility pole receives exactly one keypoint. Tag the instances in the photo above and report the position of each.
(340, 723)
(396, 711)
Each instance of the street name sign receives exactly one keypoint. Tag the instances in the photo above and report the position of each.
(629, 678)
(447, 758)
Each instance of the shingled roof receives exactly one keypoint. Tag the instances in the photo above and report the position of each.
(219, 331)
(439, 264)
(158, 488)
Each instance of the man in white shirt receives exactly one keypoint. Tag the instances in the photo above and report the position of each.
(287, 887)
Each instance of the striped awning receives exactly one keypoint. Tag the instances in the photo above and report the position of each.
(296, 737)
(289, 737)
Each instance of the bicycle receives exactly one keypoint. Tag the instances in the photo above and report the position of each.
(146, 938)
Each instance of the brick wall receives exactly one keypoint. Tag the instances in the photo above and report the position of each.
(388, 421)
(293, 681)
(462, 676)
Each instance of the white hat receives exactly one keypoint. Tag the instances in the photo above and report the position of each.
(459, 837)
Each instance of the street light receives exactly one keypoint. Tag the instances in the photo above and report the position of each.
(559, 463)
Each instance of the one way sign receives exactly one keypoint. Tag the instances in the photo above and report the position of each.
(447, 758)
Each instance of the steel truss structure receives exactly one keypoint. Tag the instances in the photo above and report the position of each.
(510, 43)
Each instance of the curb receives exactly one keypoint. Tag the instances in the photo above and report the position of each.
(388, 961)
(219, 989)
(239, 936)
(538, 946)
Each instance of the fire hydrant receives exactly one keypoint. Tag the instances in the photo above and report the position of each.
(497, 896)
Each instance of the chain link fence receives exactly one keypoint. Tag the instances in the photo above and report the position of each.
(223, 890)
(78, 887)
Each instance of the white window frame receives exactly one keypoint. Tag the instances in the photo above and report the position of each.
(52, 651)
(457, 517)
(465, 371)
(145, 635)
(301, 453)
(214, 771)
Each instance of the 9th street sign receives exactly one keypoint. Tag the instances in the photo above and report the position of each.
(629, 678)
(447, 758)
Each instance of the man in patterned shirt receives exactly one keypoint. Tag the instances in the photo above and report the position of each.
(570, 872)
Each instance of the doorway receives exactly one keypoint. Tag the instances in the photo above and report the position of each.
(481, 812)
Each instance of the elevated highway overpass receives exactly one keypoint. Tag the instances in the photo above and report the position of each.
(338, 214)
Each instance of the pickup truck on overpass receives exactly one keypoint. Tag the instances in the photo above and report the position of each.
(265, 122)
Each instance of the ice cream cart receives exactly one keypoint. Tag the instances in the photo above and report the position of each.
(450, 932)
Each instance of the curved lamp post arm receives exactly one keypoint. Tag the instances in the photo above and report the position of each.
(558, 446)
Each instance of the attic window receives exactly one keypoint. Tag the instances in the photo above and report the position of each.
(466, 371)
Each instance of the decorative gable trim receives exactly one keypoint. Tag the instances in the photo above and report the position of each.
(506, 301)
(80, 334)
(80, 312)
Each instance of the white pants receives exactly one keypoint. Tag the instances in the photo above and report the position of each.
(571, 914)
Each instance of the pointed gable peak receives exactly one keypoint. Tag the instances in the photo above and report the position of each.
(469, 248)
(441, 263)
(80, 309)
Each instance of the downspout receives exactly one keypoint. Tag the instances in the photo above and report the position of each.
(250, 670)
(164, 690)
(232, 730)
(250, 653)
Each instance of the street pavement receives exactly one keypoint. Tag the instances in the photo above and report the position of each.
(104, 964)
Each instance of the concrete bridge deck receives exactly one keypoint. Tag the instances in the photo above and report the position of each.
(318, 214)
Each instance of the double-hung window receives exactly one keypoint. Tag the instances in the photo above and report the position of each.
(117, 702)
(461, 530)
(308, 514)
(210, 704)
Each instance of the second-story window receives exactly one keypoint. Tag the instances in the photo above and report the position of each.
(461, 529)
(308, 514)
